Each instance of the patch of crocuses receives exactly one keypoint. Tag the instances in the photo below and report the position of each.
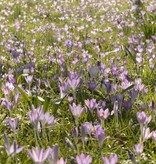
(77, 81)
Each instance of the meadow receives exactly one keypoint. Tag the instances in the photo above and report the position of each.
(77, 82)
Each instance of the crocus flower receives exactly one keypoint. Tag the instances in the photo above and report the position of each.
(76, 110)
(107, 85)
(91, 104)
(29, 80)
(11, 149)
(45, 118)
(38, 156)
(14, 53)
(13, 123)
(86, 128)
(115, 112)
(93, 71)
(74, 83)
(75, 133)
(7, 88)
(63, 86)
(138, 84)
(113, 159)
(16, 98)
(133, 94)
(35, 115)
(100, 134)
(83, 159)
(6, 103)
(146, 134)
(92, 85)
(152, 105)
(127, 104)
(103, 114)
(143, 118)
(138, 148)
(53, 154)
(115, 107)
(68, 43)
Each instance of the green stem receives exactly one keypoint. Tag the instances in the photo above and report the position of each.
(35, 137)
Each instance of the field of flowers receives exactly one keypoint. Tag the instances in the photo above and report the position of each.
(77, 81)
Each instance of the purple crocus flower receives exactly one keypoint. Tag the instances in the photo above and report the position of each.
(133, 94)
(7, 88)
(146, 134)
(127, 104)
(113, 159)
(152, 105)
(68, 43)
(39, 156)
(63, 86)
(16, 98)
(114, 70)
(14, 53)
(116, 107)
(13, 123)
(74, 83)
(138, 148)
(93, 71)
(76, 110)
(45, 118)
(92, 85)
(53, 154)
(100, 134)
(91, 104)
(35, 115)
(11, 149)
(103, 114)
(75, 133)
(138, 84)
(29, 80)
(120, 98)
(107, 85)
(83, 159)
(7, 104)
(12, 79)
(86, 128)
(143, 118)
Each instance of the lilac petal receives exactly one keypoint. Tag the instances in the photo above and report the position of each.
(78, 160)
(106, 160)
(56, 151)
(20, 149)
(51, 120)
(88, 159)
(35, 154)
(31, 154)
(113, 159)
(41, 156)
(7, 144)
(46, 154)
